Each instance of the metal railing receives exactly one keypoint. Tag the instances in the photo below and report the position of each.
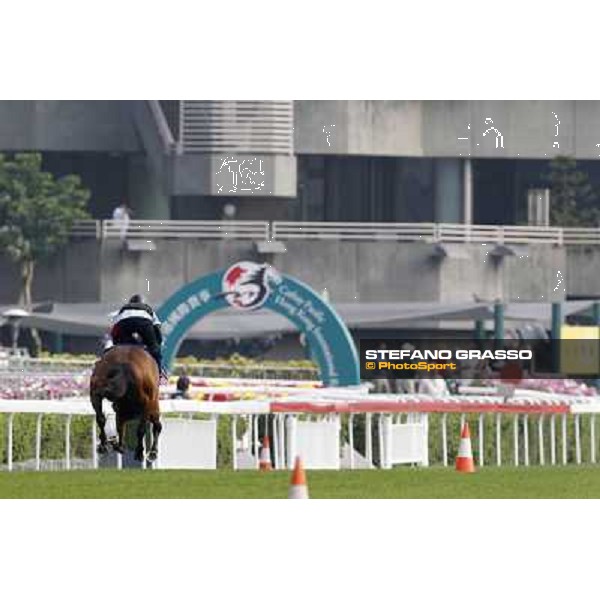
(425, 232)
(503, 434)
(87, 229)
(140, 229)
(339, 231)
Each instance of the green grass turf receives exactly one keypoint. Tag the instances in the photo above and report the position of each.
(532, 482)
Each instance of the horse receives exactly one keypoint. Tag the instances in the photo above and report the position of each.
(128, 377)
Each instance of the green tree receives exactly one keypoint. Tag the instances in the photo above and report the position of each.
(573, 201)
(37, 212)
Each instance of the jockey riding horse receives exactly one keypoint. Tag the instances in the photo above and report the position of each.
(137, 320)
(129, 375)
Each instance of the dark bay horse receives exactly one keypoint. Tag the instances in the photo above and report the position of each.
(127, 376)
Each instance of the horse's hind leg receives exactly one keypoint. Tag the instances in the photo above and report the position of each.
(156, 429)
(141, 432)
(101, 422)
(118, 445)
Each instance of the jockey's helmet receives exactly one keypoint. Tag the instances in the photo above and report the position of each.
(136, 299)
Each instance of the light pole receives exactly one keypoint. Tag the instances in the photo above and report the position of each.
(14, 316)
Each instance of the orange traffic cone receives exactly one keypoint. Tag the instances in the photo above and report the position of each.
(298, 487)
(264, 460)
(464, 460)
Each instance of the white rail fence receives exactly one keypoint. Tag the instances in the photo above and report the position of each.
(391, 430)
(344, 231)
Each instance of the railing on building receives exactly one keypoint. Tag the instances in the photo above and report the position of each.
(140, 229)
(417, 232)
(351, 231)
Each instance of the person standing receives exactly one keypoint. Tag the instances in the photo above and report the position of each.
(182, 386)
(121, 215)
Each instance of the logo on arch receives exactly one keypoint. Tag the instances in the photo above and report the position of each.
(247, 285)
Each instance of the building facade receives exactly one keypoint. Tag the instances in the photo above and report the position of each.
(443, 161)
(455, 162)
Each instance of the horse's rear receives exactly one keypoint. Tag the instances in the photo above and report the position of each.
(129, 378)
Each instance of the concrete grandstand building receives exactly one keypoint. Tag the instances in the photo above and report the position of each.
(376, 201)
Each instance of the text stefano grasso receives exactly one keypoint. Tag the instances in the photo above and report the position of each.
(448, 354)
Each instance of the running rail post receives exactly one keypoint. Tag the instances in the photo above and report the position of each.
(282, 441)
(369, 439)
(526, 438)
(516, 438)
(541, 439)
(553, 439)
(9, 441)
(382, 458)
(445, 439)
(38, 442)
(290, 440)
(480, 439)
(577, 440)
(256, 445)
(386, 433)
(275, 444)
(425, 425)
(233, 442)
(564, 439)
(68, 442)
(351, 438)
(593, 438)
(499, 439)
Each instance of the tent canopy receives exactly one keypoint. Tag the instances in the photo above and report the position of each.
(93, 319)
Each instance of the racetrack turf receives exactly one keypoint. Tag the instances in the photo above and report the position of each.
(491, 482)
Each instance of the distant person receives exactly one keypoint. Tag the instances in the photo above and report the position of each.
(121, 215)
(383, 385)
(432, 384)
(182, 386)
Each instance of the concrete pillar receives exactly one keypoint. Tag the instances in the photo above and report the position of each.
(480, 329)
(448, 190)
(557, 321)
(498, 323)
(596, 313)
(147, 196)
(58, 343)
(467, 192)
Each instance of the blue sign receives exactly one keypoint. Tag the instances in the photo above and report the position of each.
(248, 286)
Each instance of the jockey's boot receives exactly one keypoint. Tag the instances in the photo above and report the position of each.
(164, 376)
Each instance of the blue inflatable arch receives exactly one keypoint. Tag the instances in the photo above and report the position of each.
(248, 286)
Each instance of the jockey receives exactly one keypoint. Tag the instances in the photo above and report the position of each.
(138, 318)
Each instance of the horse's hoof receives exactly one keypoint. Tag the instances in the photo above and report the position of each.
(102, 448)
(152, 455)
(139, 456)
(118, 448)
